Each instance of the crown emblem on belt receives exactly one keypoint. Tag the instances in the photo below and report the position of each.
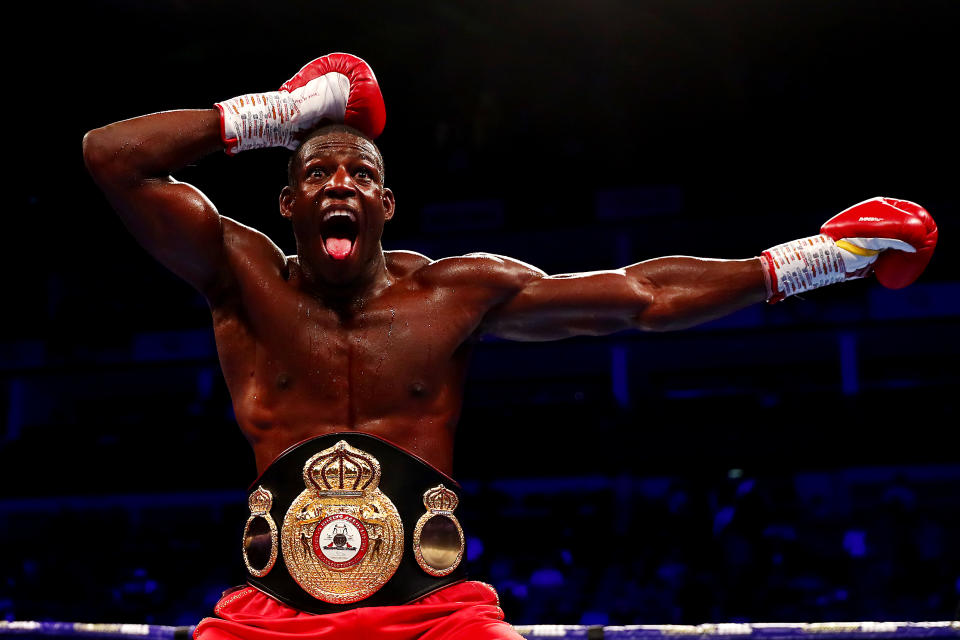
(440, 499)
(342, 469)
(260, 502)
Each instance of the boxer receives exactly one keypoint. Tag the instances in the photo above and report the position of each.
(344, 341)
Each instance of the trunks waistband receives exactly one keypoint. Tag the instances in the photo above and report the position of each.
(349, 520)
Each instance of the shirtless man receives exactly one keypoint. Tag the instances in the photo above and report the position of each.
(344, 337)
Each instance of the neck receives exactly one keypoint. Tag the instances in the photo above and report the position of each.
(350, 294)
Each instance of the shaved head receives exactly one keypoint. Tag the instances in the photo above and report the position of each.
(296, 159)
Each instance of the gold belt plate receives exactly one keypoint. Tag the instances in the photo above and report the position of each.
(342, 538)
(260, 534)
(438, 541)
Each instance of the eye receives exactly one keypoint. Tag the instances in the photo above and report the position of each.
(316, 172)
(364, 174)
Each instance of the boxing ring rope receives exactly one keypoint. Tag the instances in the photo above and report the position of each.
(724, 631)
(23, 629)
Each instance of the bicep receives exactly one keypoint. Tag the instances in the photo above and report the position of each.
(177, 225)
(563, 306)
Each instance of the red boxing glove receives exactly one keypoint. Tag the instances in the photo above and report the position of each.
(893, 238)
(364, 108)
(338, 87)
(902, 230)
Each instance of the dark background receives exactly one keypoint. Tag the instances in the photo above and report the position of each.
(794, 462)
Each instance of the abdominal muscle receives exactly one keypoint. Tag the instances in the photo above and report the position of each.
(274, 420)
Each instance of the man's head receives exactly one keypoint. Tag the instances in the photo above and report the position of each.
(337, 204)
(296, 158)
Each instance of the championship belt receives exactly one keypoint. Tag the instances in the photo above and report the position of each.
(361, 523)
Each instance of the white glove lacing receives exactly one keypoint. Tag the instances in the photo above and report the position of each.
(272, 119)
(804, 264)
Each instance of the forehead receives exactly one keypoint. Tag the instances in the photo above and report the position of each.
(339, 144)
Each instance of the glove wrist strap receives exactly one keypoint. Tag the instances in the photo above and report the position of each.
(800, 265)
(256, 121)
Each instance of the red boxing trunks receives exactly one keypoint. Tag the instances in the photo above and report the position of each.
(466, 610)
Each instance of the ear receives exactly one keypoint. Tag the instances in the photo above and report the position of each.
(389, 204)
(286, 201)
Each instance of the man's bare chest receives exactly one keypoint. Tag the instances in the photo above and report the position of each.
(409, 341)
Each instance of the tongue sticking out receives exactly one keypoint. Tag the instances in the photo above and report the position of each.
(339, 248)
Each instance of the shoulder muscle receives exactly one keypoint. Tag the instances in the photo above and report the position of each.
(402, 263)
(501, 276)
(249, 253)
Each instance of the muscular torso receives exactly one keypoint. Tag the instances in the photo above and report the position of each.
(392, 364)
(389, 358)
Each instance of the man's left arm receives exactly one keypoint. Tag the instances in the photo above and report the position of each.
(894, 238)
(656, 295)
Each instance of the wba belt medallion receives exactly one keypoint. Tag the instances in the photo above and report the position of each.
(342, 538)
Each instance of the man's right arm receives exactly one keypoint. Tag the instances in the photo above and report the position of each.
(132, 161)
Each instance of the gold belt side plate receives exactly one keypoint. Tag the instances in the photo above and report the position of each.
(342, 538)
(260, 531)
(438, 541)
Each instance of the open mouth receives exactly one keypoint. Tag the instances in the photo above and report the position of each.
(339, 232)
